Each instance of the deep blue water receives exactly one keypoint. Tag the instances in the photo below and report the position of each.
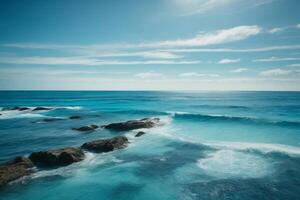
(214, 145)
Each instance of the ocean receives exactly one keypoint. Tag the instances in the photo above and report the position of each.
(212, 146)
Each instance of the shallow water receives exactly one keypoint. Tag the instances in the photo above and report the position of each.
(213, 145)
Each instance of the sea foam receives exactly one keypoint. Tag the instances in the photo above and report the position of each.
(230, 163)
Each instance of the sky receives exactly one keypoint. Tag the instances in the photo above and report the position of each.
(150, 45)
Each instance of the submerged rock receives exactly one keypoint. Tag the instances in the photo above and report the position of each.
(41, 109)
(19, 108)
(15, 169)
(74, 117)
(87, 128)
(133, 124)
(106, 145)
(58, 157)
(48, 120)
(140, 133)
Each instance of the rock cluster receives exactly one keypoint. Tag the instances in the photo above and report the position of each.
(23, 166)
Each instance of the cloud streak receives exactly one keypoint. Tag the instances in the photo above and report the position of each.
(204, 39)
(87, 61)
(195, 74)
(275, 72)
(275, 59)
(239, 70)
(229, 61)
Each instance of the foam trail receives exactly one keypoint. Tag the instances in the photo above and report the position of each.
(263, 147)
(19, 114)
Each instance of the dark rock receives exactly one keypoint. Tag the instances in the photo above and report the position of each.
(58, 157)
(74, 117)
(87, 128)
(23, 108)
(41, 109)
(140, 133)
(48, 120)
(15, 108)
(15, 169)
(106, 145)
(133, 124)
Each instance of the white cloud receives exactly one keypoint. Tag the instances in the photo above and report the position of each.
(147, 75)
(195, 74)
(295, 65)
(86, 61)
(227, 61)
(298, 26)
(276, 30)
(192, 7)
(144, 54)
(275, 72)
(209, 38)
(275, 59)
(159, 55)
(239, 70)
(218, 37)
(216, 50)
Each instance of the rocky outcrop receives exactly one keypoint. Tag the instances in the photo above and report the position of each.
(133, 124)
(15, 169)
(74, 117)
(58, 157)
(41, 109)
(87, 128)
(106, 145)
(140, 133)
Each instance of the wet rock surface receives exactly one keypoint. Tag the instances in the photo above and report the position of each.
(41, 109)
(133, 124)
(75, 117)
(18, 108)
(140, 133)
(15, 169)
(58, 157)
(106, 145)
(87, 128)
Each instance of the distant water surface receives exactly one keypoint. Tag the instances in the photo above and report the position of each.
(214, 145)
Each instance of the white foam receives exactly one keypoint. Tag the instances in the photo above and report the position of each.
(230, 163)
(18, 114)
(263, 147)
(69, 107)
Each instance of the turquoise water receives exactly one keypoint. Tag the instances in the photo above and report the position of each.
(214, 145)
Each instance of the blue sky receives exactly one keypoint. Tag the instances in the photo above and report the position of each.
(150, 45)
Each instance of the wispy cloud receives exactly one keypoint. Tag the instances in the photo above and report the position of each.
(276, 30)
(203, 39)
(275, 72)
(239, 70)
(295, 65)
(298, 26)
(275, 59)
(192, 7)
(248, 50)
(195, 74)
(228, 61)
(146, 75)
(87, 61)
